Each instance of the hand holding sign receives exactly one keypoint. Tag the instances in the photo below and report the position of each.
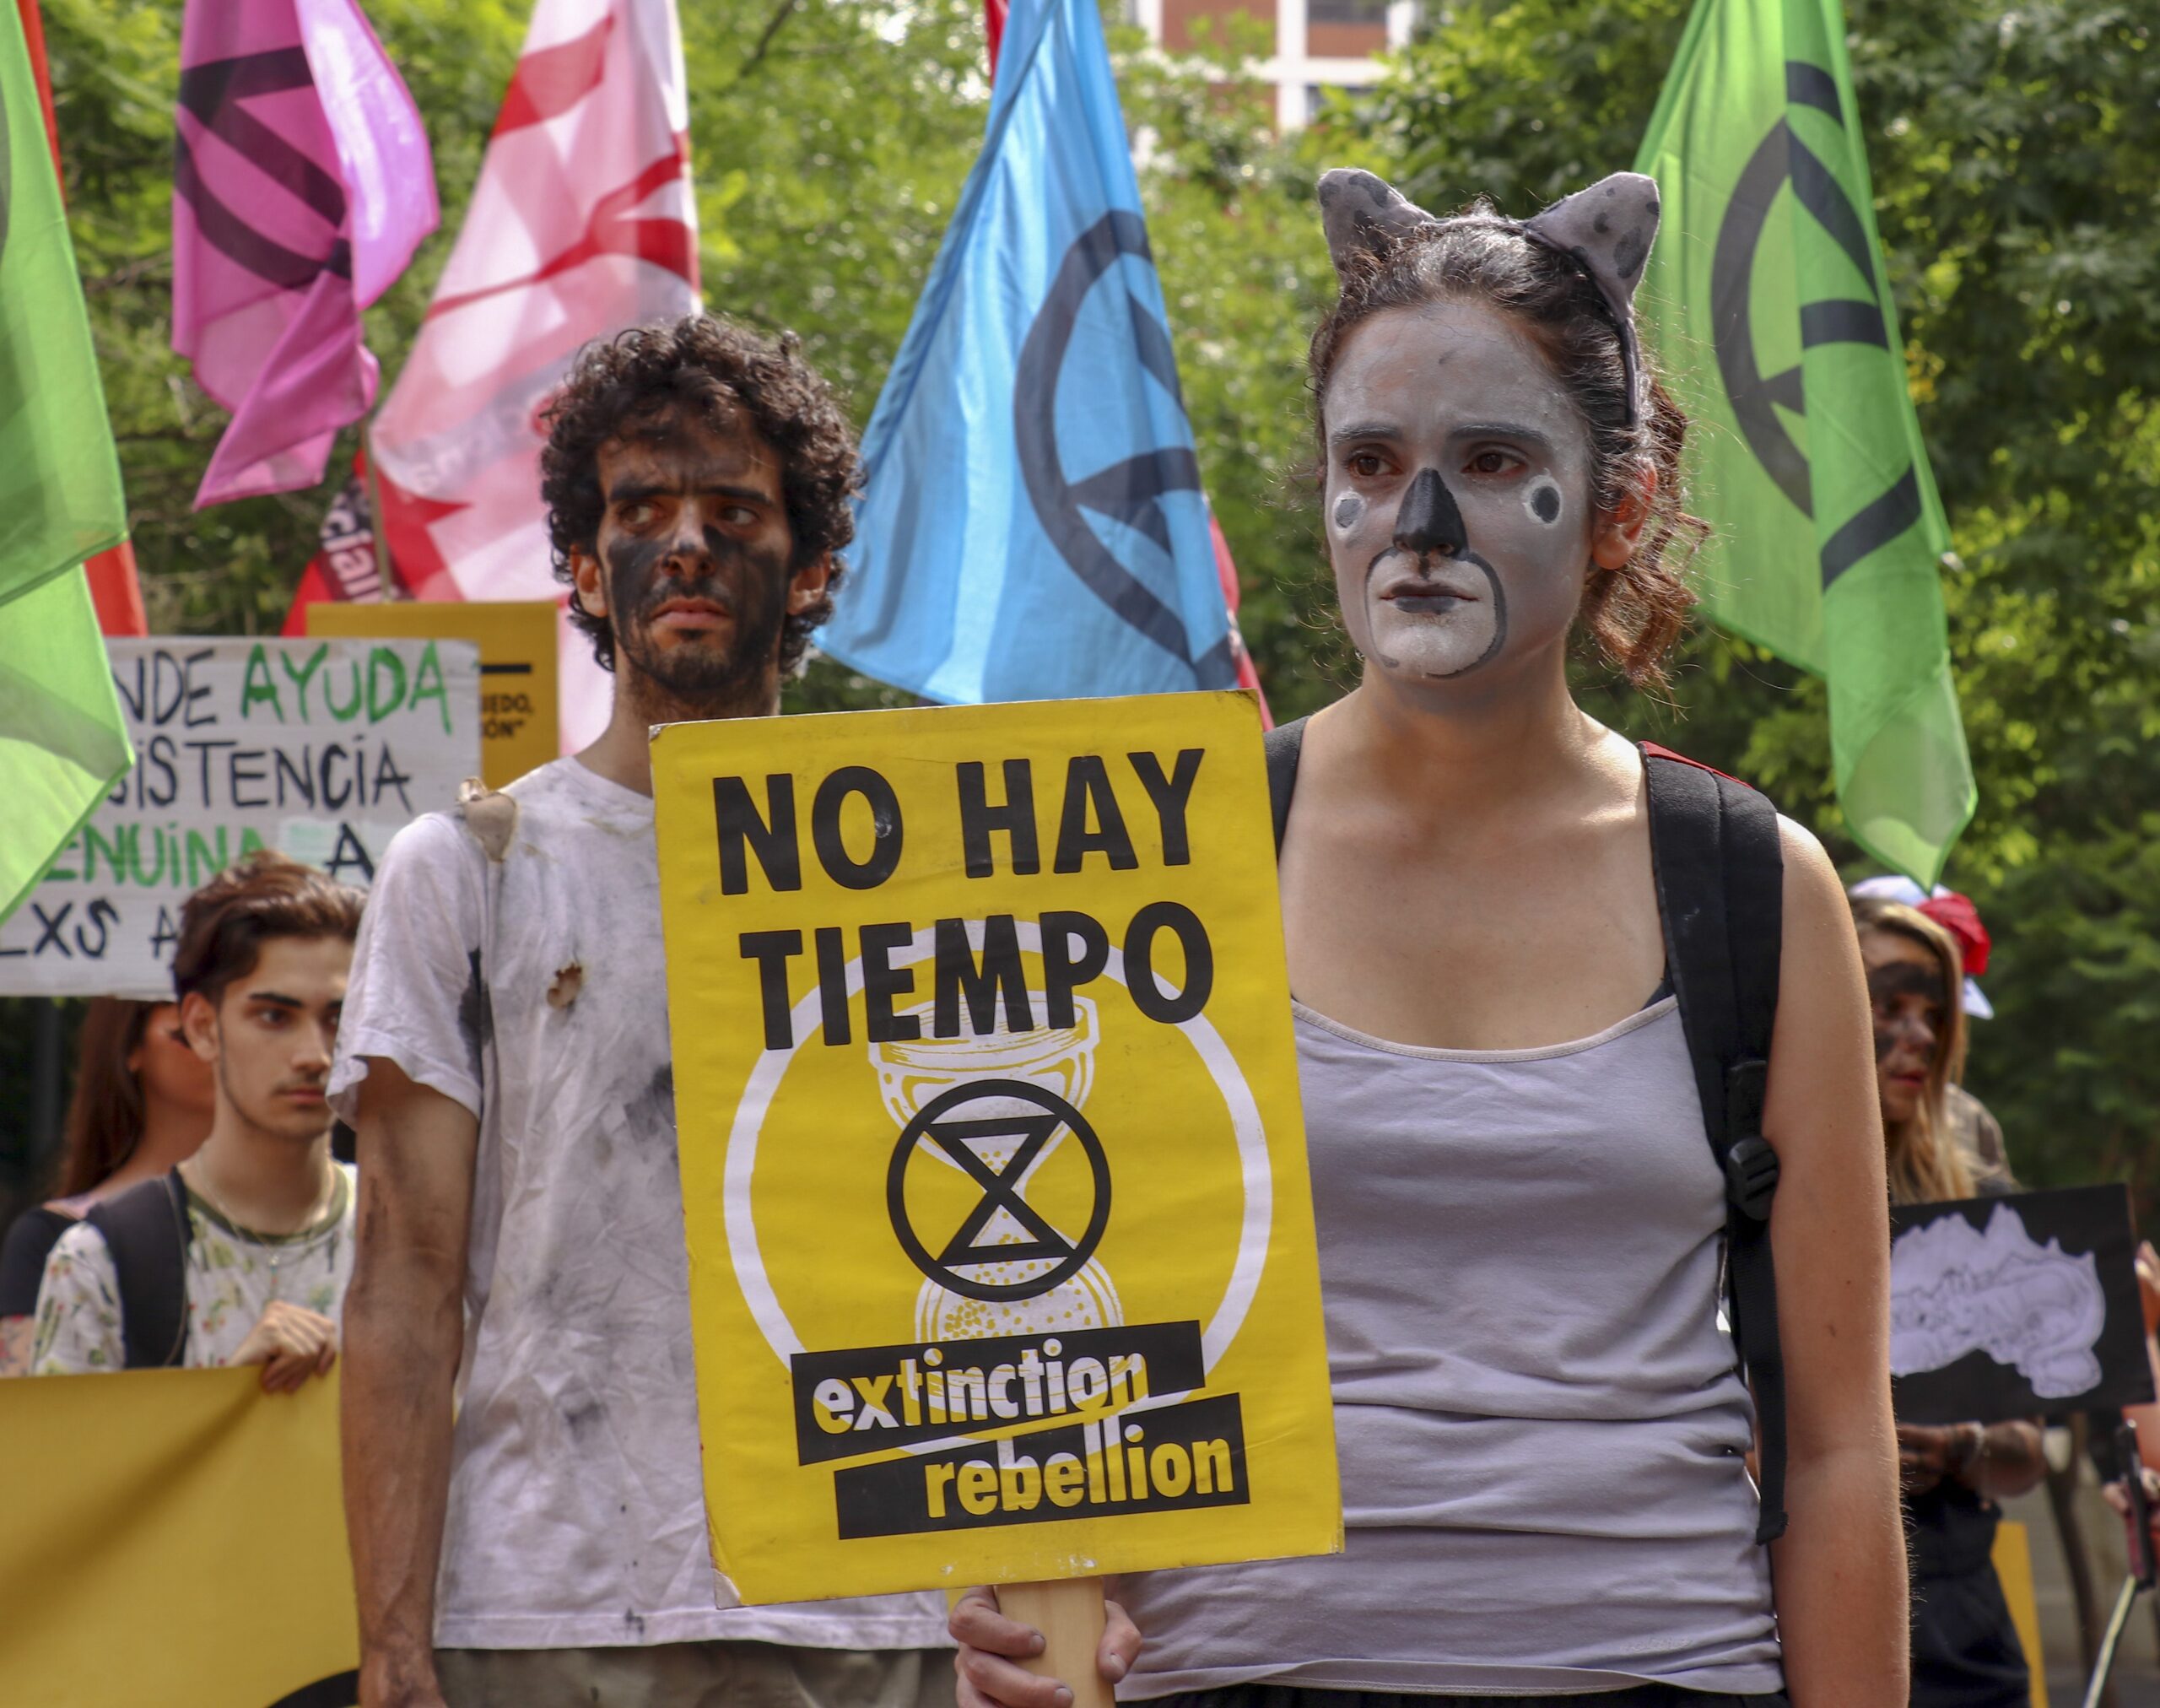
(1010, 1650)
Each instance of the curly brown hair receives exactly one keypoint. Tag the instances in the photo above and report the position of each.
(701, 368)
(1635, 614)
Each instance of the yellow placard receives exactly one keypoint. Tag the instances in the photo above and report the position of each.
(1002, 1262)
(2013, 1569)
(516, 637)
(176, 1537)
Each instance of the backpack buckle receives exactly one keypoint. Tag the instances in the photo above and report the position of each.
(1751, 1177)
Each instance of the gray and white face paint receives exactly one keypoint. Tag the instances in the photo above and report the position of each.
(1458, 499)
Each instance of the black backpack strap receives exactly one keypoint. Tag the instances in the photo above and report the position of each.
(1720, 894)
(1284, 744)
(147, 1229)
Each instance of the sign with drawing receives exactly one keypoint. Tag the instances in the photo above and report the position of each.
(2016, 1306)
(323, 750)
(993, 1167)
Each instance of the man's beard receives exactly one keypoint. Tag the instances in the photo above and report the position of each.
(698, 679)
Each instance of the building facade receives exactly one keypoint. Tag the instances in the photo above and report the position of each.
(1318, 43)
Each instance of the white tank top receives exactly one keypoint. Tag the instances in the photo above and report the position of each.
(1538, 1419)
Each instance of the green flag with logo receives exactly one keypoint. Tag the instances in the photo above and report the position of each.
(1767, 296)
(61, 740)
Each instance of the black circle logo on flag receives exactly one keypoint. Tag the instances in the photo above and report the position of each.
(1034, 1133)
(1780, 157)
(1130, 491)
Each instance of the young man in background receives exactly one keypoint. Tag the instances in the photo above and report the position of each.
(240, 1254)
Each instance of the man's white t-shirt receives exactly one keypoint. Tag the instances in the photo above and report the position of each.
(576, 1514)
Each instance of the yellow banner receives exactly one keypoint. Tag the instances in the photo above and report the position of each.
(175, 1538)
(517, 640)
(2013, 1569)
(1002, 1262)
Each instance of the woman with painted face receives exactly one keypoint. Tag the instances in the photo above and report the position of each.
(1966, 1653)
(1540, 1426)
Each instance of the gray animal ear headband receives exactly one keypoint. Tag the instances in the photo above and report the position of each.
(1606, 230)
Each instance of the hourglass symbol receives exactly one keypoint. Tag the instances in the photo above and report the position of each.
(997, 1108)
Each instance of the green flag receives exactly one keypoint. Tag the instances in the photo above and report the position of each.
(1768, 276)
(61, 740)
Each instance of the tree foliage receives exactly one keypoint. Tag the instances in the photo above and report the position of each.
(2017, 161)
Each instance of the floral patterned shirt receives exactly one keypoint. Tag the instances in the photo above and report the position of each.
(233, 1277)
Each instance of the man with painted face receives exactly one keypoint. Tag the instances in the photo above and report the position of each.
(1540, 1421)
(505, 1062)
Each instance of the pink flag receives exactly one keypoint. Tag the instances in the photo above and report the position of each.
(582, 224)
(302, 184)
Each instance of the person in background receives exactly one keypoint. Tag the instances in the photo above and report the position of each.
(1966, 1652)
(252, 1235)
(1969, 1121)
(142, 1103)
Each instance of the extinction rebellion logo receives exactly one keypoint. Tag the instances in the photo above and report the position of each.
(215, 95)
(1129, 492)
(1784, 156)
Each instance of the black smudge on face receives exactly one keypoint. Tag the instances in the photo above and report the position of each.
(749, 582)
(1545, 501)
(1908, 1005)
(1348, 508)
(1886, 984)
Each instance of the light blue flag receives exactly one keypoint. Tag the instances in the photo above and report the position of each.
(1033, 526)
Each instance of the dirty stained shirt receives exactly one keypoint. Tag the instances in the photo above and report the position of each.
(577, 1513)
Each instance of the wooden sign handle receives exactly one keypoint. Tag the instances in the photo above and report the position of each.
(1069, 1614)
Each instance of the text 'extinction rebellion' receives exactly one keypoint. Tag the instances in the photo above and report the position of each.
(1108, 1445)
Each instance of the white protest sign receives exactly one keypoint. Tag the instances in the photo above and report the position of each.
(322, 749)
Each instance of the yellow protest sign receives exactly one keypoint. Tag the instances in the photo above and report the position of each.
(517, 640)
(1002, 1262)
(174, 1537)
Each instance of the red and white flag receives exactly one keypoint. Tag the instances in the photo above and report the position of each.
(582, 224)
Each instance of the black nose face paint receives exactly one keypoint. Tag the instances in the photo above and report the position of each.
(1428, 520)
